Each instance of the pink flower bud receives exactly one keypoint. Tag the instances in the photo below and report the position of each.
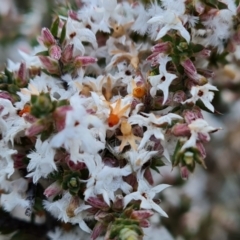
(67, 54)
(189, 68)
(118, 203)
(50, 64)
(157, 145)
(53, 190)
(6, 95)
(99, 216)
(204, 53)
(184, 173)
(29, 118)
(181, 130)
(142, 214)
(160, 47)
(192, 115)
(84, 61)
(18, 160)
(148, 176)
(145, 223)
(179, 96)
(22, 75)
(35, 129)
(55, 52)
(98, 203)
(72, 14)
(98, 229)
(47, 38)
(74, 166)
(59, 116)
(206, 73)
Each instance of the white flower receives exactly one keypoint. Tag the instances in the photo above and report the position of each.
(105, 180)
(41, 160)
(59, 210)
(204, 94)
(163, 80)
(6, 161)
(146, 193)
(150, 122)
(76, 33)
(170, 20)
(138, 158)
(13, 199)
(79, 132)
(196, 127)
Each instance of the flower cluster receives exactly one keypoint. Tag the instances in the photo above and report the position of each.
(113, 92)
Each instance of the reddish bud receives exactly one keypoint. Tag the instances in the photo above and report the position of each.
(204, 53)
(50, 64)
(181, 130)
(184, 173)
(118, 203)
(192, 115)
(29, 118)
(18, 160)
(179, 96)
(141, 214)
(53, 190)
(67, 54)
(22, 75)
(148, 176)
(47, 38)
(98, 229)
(145, 223)
(84, 61)
(6, 95)
(72, 14)
(191, 72)
(35, 129)
(59, 116)
(160, 47)
(98, 203)
(55, 52)
(206, 72)
(74, 166)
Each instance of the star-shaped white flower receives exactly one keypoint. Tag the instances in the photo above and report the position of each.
(41, 160)
(146, 193)
(138, 158)
(163, 80)
(196, 127)
(105, 180)
(150, 122)
(204, 94)
(170, 20)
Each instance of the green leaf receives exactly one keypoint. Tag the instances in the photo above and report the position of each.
(222, 5)
(8, 74)
(43, 53)
(197, 47)
(54, 27)
(63, 34)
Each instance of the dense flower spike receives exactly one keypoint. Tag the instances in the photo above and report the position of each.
(104, 104)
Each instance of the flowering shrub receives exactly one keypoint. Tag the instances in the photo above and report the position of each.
(114, 92)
